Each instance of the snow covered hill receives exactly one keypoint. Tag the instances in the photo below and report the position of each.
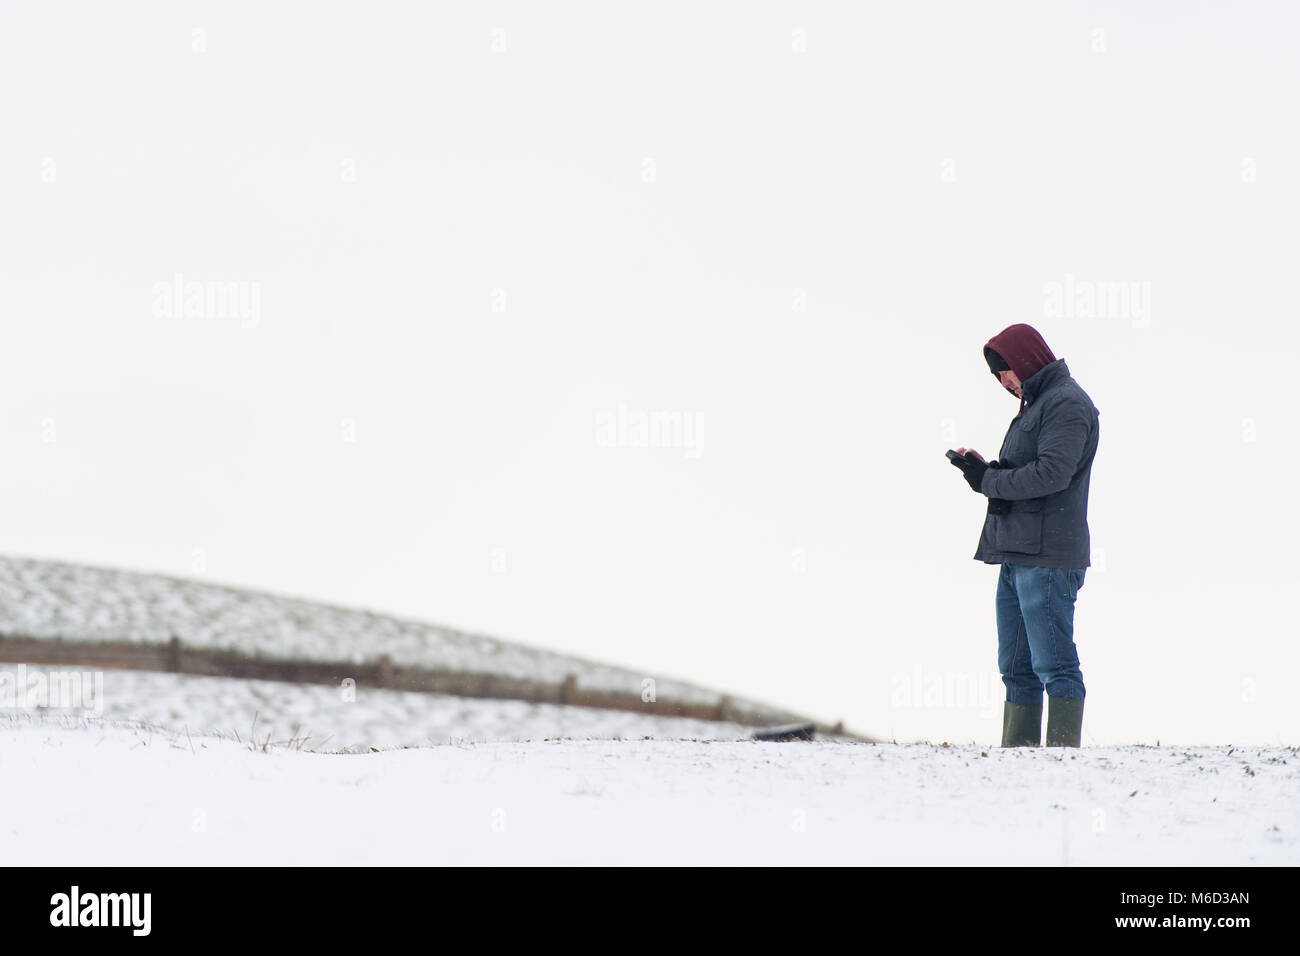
(178, 799)
(53, 600)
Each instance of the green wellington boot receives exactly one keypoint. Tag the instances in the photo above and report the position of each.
(1021, 726)
(1064, 722)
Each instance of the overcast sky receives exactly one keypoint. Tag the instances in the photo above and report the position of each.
(477, 250)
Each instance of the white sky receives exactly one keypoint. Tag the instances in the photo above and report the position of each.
(921, 172)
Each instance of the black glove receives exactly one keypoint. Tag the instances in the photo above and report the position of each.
(972, 469)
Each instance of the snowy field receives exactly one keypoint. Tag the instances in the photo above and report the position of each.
(320, 718)
(90, 793)
(176, 769)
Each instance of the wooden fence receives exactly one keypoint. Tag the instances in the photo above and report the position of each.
(176, 658)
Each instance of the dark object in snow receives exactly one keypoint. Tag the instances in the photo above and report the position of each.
(787, 732)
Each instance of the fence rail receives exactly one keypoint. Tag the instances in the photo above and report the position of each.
(382, 673)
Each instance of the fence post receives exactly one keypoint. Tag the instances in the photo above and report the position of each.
(385, 671)
(174, 655)
(569, 689)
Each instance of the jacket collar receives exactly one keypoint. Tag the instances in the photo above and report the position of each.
(1047, 376)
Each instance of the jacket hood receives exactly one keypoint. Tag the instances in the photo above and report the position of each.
(1021, 349)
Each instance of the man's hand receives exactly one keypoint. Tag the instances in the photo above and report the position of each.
(970, 451)
(972, 467)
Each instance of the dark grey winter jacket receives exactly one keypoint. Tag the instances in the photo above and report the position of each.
(1044, 467)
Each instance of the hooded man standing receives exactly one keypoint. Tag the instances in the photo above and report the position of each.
(1037, 529)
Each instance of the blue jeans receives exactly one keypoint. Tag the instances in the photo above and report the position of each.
(1036, 649)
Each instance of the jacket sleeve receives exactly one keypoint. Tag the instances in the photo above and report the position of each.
(1062, 437)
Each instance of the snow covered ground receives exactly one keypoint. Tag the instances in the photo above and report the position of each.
(177, 769)
(322, 719)
(95, 793)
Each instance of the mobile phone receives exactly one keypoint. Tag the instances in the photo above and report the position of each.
(953, 455)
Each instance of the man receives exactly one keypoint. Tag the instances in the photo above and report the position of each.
(1037, 529)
